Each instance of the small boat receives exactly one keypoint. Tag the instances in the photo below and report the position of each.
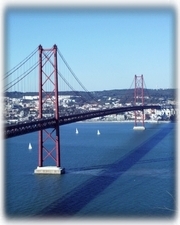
(98, 132)
(30, 146)
(77, 132)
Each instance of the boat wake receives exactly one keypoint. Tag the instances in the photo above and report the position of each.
(92, 172)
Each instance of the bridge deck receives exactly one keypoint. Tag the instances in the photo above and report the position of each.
(25, 128)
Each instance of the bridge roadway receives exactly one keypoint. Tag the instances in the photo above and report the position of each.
(25, 128)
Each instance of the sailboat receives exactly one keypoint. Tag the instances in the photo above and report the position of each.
(98, 132)
(77, 132)
(30, 146)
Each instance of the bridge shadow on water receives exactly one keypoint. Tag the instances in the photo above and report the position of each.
(74, 201)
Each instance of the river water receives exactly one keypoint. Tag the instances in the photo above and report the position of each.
(120, 173)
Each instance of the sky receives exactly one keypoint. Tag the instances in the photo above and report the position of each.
(104, 47)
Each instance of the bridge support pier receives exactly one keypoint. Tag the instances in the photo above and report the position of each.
(49, 170)
(139, 128)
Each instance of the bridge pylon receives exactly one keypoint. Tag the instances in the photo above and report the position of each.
(139, 100)
(49, 139)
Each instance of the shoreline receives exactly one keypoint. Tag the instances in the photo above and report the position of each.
(123, 121)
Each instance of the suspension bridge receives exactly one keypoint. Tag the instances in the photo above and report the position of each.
(42, 65)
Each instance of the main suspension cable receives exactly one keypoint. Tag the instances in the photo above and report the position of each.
(79, 82)
(20, 64)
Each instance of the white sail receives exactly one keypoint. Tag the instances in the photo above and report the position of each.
(77, 132)
(30, 146)
(98, 132)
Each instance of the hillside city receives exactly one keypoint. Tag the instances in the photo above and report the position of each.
(23, 107)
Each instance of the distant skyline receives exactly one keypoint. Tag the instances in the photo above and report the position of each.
(105, 48)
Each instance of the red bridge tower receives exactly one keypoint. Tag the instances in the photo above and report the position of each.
(49, 139)
(139, 100)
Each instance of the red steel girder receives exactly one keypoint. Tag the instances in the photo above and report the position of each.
(48, 58)
(139, 99)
